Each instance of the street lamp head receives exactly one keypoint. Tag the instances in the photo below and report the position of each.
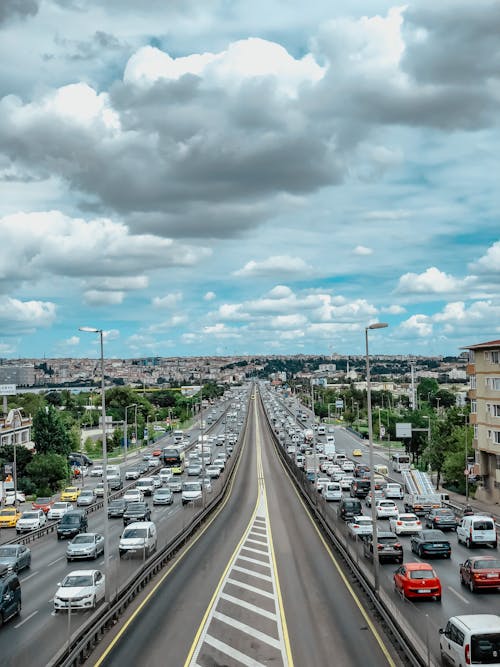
(89, 329)
(378, 325)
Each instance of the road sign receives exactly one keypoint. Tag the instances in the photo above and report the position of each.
(339, 403)
(382, 431)
(8, 390)
(403, 430)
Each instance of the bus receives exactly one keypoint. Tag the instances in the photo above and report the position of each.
(173, 458)
(400, 461)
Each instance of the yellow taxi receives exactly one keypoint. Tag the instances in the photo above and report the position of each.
(9, 517)
(357, 452)
(70, 494)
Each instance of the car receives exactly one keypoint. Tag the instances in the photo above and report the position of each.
(156, 452)
(321, 482)
(349, 508)
(157, 481)
(385, 509)
(99, 490)
(116, 508)
(417, 580)
(360, 526)
(9, 516)
(165, 474)
(133, 496)
(15, 557)
(471, 639)
(86, 498)
(430, 542)
(405, 523)
(70, 494)
(441, 518)
(72, 523)
(142, 467)
(194, 469)
(114, 482)
(345, 482)
(31, 520)
(42, 503)
(474, 530)
(10, 595)
(393, 490)
(175, 484)
(357, 452)
(146, 485)
(213, 471)
(388, 547)
(348, 466)
(138, 537)
(220, 462)
(379, 495)
(207, 484)
(80, 589)
(163, 497)
(191, 491)
(136, 512)
(132, 473)
(480, 572)
(152, 463)
(147, 457)
(97, 471)
(58, 510)
(332, 492)
(85, 545)
(360, 469)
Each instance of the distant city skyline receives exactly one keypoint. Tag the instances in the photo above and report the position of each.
(211, 178)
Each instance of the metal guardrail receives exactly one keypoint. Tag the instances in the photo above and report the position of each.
(89, 634)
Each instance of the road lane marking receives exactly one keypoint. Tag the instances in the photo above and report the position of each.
(55, 561)
(33, 574)
(252, 560)
(459, 596)
(247, 629)
(249, 587)
(248, 605)
(231, 652)
(251, 573)
(25, 620)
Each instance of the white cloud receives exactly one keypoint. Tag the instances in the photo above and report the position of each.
(97, 298)
(277, 264)
(287, 321)
(72, 340)
(209, 296)
(393, 310)
(431, 281)
(220, 330)
(25, 316)
(418, 325)
(168, 301)
(111, 334)
(489, 262)
(362, 250)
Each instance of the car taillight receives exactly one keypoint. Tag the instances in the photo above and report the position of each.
(418, 523)
(399, 523)
(397, 546)
(380, 546)
(467, 654)
(437, 519)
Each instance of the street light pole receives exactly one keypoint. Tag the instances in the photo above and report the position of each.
(125, 434)
(376, 563)
(466, 469)
(107, 583)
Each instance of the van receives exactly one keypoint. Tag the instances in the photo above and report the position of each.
(381, 469)
(348, 508)
(393, 490)
(138, 537)
(472, 639)
(476, 529)
(332, 492)
(72, 523)
(10, 594)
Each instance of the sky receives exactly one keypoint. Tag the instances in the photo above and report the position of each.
(220, 177)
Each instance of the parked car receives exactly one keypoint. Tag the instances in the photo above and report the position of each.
(116, 508)
(136, 512)
(85, 545)
(14, 557)
(388, 547)
(430, 543)
(477, 530)
(417, 580)
(163, 497)
(31, 520)
(58, 510)
(360, 526)
(471, 639)
(480, 572)
(405, 523)
(81, 589)
(441, 518)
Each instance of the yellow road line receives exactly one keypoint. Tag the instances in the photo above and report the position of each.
(178, 559)
(369, 623)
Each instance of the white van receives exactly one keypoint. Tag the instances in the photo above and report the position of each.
(476, 529)
(332, 492)
(471, 640)
(393, 490)
(139, 537)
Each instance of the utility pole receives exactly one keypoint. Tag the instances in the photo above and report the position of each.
(413, 401)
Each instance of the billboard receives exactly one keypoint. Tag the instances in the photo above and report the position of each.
(339, 403)
(8, 390)
(403, 430)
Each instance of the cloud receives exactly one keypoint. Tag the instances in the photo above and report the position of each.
(393, 310)
(12, 9)
(168, 301)
(111, 334)
(98, 298)
(489, 263)
(220, 330)
(275, 265)
(362, 250)
(418, 325)
(72, 340)
(209, 296)
(431, 281)
(25, 316)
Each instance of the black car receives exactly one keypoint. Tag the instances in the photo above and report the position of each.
(441, 518)
(136, 512)
(349, 508)
(431, 543)
(72, 523)
(116, 508)
(10, 594)
(360, 488)
(388, 548)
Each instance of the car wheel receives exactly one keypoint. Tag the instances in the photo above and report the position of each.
(468, 543)
(494, 545)
(472, 588)
(1, 620)
(437, 598)
(94, 602)
(462, 581)
(28, 564)
(18, 608)
(420, 553)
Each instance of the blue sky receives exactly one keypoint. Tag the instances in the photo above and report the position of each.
(213, 177)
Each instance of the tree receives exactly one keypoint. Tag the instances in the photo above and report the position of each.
(49, 433)
(48, 472)
(427, 388)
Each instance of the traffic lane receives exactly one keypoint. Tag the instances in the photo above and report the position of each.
(320, 610)
(163, 631)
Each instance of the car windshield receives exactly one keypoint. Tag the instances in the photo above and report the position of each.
(83, 539)
(59, 506)
(8, 512)
(408, 519)
(443, 513)
(42, 501)
(70, 489)
(163, 492)
(135, 532)
(30, 515)
(77, 580)
(135, 507)
(191, 487)
(433, 535)
(386, 540)
(8, 552)
(486, 564)
(483, 525)
(70, 519)
(485, 649)
(422, 574)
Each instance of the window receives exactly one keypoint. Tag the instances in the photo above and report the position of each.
(475, 431)
(472, 356)
(456, 635)
(472, 381)
(492, 356)
(473, 407)
(493, 383)
(494, 436)
(493, 409)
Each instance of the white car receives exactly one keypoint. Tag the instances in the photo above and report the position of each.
(133, 473)
(386, 509)
(165, 475)
(31, 520)
(133, 496)
(345, 483)
(97, 471)
(321, 482)
(348, 466)
(360, 526)
(58, 510)
(81, 589)
(393, 490)
(332, 492)
(405, 524)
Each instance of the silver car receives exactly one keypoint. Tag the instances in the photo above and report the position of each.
(86, 498)
(85, 545)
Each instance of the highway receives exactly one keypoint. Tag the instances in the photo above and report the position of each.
(258, 586)
(38, 633)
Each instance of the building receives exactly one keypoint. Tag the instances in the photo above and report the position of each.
(15, 429)
(483, 370)
(23, 376)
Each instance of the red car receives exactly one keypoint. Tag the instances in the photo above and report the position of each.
(156, 452)
(480, 572)
(42, 504)
(417, 580)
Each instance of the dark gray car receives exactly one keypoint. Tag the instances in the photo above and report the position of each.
(15, 557)
(441, 518)
(136, 512)
(388, 548)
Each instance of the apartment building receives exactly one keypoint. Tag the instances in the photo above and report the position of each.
(483, 371)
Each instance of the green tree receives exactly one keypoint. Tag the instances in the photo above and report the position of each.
(427, 388)
(49, 433)
(48, 472)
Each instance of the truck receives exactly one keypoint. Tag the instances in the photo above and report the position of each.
(308, 436)
(420, 495)
(311, 465)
